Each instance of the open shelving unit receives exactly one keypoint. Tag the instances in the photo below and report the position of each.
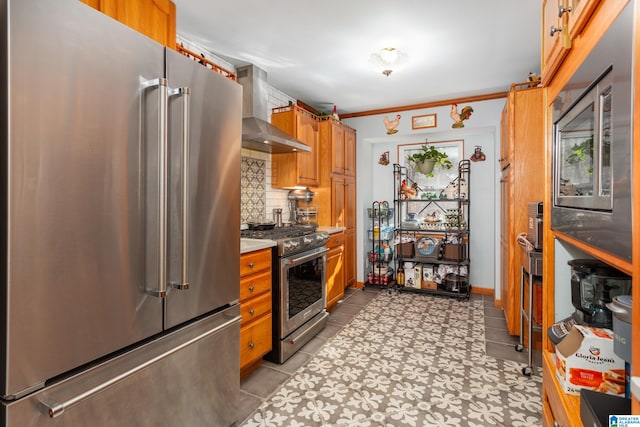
(432, 236)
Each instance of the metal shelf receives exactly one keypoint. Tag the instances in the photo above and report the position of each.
(456, 211)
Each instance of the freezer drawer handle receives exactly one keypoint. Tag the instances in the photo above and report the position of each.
(163, 91)
(56, 409)
(184, 92)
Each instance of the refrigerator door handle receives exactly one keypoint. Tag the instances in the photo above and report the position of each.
(55, 409)
(163, 99)
(185, 93)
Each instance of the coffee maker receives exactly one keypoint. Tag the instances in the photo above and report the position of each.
(594, 284)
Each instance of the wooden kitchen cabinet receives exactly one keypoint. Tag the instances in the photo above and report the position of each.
(153, 18)
(555, 37)
(350, 152)
(335, 269)
(338, 144)
(581, 11)
(343, 214)
(335, 197)
(299, 168)
(255, 309)
(521, 183)
(562, 23)
(558, 407)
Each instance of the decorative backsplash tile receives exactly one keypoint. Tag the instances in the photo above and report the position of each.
(252, 189)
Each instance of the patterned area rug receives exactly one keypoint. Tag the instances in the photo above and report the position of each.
(406, 360)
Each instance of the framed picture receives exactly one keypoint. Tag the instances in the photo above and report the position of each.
(422, 122)
(430, 186)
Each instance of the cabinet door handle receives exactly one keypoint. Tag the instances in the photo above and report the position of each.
(562, 10)
(251, 345)
(554, 30)
(252, 288)
(251, 265)
(252, 312)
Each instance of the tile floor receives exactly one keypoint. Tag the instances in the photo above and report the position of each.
(269, 377)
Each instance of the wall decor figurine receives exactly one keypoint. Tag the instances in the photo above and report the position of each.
(391, 125)
(478, 155)
(384, 159)
(533, 79)
(458, 118)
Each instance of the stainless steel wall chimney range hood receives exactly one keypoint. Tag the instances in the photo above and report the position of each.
(257, 133)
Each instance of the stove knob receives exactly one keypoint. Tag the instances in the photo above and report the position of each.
(307, 240)
(286, 245)
(295, 244)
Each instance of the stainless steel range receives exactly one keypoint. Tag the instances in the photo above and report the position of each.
(299, 286)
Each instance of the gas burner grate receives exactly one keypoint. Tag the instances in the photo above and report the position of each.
(279, 232)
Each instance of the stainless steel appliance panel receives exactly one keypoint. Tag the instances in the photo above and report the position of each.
(187, 378)
(80, 126)
(303, 288)
(213, 188)
(608, 226)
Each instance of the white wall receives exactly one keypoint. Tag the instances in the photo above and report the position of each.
(375, 182)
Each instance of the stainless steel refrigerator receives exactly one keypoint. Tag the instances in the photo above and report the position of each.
(119, 207)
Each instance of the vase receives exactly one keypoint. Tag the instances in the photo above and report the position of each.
(426, 167)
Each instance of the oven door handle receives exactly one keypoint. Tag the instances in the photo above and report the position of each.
(308, 257)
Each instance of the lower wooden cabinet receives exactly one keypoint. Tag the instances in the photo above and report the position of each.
(335, 269)
(255, 309)
(255, 341)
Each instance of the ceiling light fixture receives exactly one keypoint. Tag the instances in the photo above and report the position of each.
(387, 60)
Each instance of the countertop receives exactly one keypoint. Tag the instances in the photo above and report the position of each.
(331, 230)
(250, 245)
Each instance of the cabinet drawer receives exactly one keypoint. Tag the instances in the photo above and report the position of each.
(335, 240)
(255, 341)
(255, 261)
(255, 307)
(255, 284)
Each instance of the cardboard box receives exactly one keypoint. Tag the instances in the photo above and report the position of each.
(585, 360)
(428, 277)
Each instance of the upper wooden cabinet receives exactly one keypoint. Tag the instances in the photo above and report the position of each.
(350, 152)
(555, 39)
(580, 12)
(338, 144)
(562, 23)
(300, 168)
(153, 18)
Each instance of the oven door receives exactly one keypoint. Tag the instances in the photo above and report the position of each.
(303, 288)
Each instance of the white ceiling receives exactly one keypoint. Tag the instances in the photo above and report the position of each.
(319, 52)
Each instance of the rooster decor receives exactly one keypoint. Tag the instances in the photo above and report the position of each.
(391, 125)
(458, 118)
(408, 192)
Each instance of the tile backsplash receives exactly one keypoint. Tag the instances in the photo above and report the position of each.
(258, 199)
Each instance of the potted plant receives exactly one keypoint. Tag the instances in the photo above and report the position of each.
(427, 159)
